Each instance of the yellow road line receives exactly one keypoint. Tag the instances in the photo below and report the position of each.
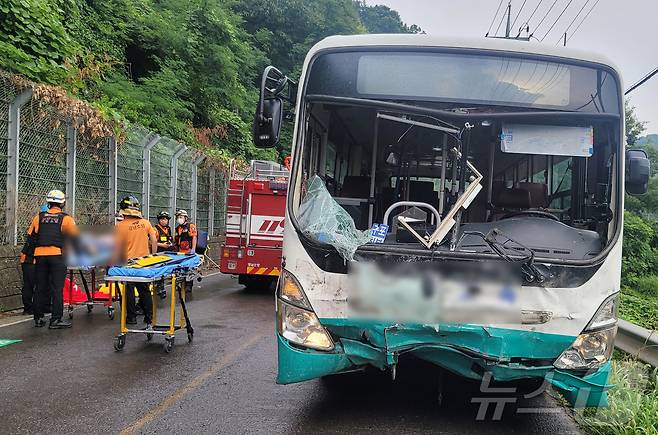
(185, 390)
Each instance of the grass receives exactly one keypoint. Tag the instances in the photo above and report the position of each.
(633, 401)
(640, 306)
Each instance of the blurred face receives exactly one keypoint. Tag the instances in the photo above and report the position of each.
(164, 221)
(180, 220)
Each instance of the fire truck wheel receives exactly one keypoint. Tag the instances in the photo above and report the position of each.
(256, 283)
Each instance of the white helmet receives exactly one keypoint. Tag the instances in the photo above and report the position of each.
(181, 212)
(56, 197)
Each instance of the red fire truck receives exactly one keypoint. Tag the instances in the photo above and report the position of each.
(255, 212)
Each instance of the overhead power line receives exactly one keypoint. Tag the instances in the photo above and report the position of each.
(641, 81)
(556, 20)
(518, 13)
(494, 17)
(499, 24)
(544, 18)
(572, 21)
(527, 21)
(533, 12)
(583, 20)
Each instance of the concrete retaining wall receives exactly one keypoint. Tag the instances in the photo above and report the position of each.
(11, 278)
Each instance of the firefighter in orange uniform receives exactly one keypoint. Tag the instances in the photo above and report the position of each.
(165, 240)
(49, 232)
(185, 238)
(165, 243)
(135, 237)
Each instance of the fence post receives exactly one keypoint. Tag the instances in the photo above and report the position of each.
(71, 140)
(112, 145)
(13, 152)
(146, 175)
(211, 203)
(173, 169)
(195, 184)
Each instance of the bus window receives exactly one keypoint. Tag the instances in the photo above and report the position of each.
(539, 169)
(561, 182)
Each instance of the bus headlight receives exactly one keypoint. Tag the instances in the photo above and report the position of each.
(589, 351)
(594, 346)
(291, 291)
(302, 327)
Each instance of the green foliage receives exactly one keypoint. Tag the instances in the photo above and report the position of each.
(639, 276)
(33, 38)
(382, 19)
(176, 66)
(639, 305)
(286, 29)
(633, 402)
(639, 254)
(237, 141)
(634, 127)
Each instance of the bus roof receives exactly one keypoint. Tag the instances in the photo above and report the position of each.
(492, 44)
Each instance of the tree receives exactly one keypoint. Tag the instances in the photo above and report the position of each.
(382, 19)
(286, 29)
(187, 69)
(634, 127)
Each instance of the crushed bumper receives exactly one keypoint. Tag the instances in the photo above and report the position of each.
(466, 350)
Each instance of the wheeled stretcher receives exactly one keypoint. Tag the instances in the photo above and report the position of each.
(94, 297)
(151, 269)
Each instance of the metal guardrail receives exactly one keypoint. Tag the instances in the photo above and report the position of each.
(638, 341)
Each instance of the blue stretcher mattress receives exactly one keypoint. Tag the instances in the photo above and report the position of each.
(177, 262)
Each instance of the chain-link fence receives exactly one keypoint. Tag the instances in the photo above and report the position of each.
(40, 151)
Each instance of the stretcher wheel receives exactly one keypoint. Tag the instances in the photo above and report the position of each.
(169, 344)
(119, 342)
(149, 336)
(110, 313)
(190, 337)
(90, 308)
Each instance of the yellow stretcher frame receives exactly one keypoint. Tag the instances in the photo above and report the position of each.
(167, 330)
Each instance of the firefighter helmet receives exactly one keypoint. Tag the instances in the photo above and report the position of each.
(55, 197)
(130, 206)
(164, 215)
(181, 212)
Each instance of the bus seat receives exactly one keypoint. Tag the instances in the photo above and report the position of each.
(511, 199)
(538, 193)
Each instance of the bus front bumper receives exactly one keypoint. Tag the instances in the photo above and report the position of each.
(468, 351)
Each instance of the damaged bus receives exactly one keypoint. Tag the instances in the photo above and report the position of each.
(460, 202)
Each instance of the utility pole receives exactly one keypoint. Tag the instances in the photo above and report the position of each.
(509, 16)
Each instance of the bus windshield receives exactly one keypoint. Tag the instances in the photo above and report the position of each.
(545, 185)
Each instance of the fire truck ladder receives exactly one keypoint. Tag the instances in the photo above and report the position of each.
(232, 209)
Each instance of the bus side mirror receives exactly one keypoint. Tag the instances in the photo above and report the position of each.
(267, 122)
(638, 171)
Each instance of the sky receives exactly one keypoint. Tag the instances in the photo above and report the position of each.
(622, 30)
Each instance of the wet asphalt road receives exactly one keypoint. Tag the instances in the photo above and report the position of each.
(72, 381)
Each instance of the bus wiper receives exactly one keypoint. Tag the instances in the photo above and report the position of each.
(528, 269)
